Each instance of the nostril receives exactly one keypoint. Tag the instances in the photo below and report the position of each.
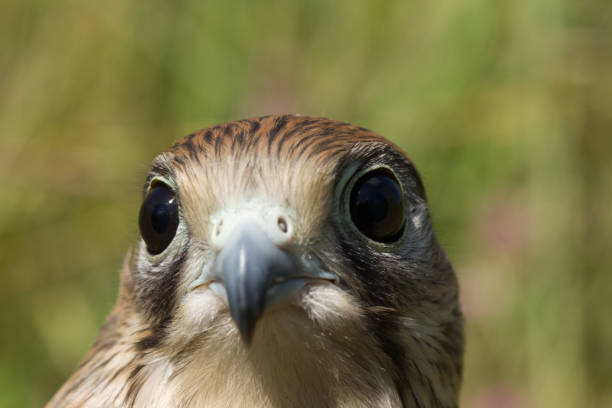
(219, 228)
(282, 224)
(277, 225)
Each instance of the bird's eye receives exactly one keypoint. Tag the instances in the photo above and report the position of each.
(376, 206)
(158, 219)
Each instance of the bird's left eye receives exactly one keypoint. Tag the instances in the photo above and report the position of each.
(158, 219)
(377, 207)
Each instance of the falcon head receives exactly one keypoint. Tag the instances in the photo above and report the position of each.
(287, 261)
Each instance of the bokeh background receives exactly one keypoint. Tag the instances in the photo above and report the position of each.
(505, 107)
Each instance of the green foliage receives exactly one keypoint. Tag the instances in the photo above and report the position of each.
(505, 107)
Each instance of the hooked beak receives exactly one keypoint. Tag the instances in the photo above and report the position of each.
(256, 272)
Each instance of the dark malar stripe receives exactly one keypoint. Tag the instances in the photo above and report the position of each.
(384, 326)
(163, 293)
(159, 293)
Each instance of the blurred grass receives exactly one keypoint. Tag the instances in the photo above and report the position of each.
(506, 108)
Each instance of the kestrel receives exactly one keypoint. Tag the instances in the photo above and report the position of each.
(283, 261)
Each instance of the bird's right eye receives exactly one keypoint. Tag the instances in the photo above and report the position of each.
(158, 218)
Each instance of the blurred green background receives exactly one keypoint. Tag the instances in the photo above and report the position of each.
(505, 107)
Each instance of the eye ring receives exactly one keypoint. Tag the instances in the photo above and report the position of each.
(376, 205)
(158, 219)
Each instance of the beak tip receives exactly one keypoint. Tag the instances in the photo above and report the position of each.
(246, 333)
(245, 320)
(246, 340)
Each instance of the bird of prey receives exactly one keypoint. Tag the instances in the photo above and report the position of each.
(283, 261)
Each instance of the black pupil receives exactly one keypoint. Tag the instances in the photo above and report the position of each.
(377, 207)
(158, 219)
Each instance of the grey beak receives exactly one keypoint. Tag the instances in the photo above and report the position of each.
(248, 265)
